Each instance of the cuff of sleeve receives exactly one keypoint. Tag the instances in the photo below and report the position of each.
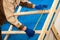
(21, 27)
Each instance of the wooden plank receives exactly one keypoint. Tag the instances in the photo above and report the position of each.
(54, 29)
(55, 32)
(46, 38)
(19, 32)
(51, 12)
(8, 34)
(31, 12)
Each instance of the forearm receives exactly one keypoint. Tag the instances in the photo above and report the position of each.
(14, 22)
(10, 17)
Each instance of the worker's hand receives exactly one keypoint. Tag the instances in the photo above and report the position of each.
(30, 32)
(40, 7)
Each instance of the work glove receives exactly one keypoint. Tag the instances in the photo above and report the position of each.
(40, 7)
(30, 32)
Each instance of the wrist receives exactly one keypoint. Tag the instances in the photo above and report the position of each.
(24, 28)
(33, 6)
(21, 27)
(27, 4)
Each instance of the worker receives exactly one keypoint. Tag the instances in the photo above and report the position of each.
(7, 9)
